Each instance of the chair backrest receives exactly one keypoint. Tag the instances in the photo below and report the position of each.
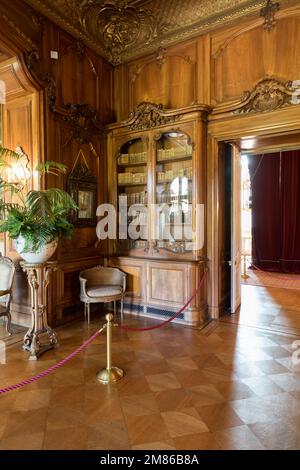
(100, 275)
(7, 272)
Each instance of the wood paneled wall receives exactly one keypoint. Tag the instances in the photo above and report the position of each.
(20, 128)
(77, 77)
(215, 68)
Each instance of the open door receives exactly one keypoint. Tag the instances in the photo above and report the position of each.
(236, 236)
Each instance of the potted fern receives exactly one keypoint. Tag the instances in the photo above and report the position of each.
(34, 219)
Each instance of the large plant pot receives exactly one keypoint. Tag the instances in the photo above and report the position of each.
(40, 256)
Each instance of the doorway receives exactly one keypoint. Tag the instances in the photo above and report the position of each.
(267, 298)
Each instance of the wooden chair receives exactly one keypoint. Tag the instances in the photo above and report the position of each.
(7, 273)
(101, 284)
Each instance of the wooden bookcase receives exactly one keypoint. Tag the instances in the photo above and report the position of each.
(156, 174)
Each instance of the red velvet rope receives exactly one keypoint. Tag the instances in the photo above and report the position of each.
(273, 275)
(87, 342)
(128, 328)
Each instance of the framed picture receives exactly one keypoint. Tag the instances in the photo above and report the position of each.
(82, 187)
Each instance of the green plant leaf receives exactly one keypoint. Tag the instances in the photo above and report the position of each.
(43, 217)
(51, 167)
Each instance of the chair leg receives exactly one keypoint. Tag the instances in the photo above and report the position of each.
(88, 313)
(8, 323)
(115, 308)
(84, 312)
(122, 308)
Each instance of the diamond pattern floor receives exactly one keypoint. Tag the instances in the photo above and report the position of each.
(227, 386)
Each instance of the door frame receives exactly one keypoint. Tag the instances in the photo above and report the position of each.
(232, 128)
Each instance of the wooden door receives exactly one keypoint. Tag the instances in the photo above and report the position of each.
(236, 237)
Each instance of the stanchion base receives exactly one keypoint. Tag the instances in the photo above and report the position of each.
(109, 376)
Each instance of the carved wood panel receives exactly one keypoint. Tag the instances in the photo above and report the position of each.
(169, 78)
(246, 56)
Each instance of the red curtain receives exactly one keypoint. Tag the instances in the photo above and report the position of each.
(290, 245)
(275, 182)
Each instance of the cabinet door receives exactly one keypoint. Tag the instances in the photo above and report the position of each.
(132, 163)
(173, 194)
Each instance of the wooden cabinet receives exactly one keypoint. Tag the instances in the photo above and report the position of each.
(156, 165)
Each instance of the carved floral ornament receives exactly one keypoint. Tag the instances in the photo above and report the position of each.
(268, 95)
(82, 119)
(268, 13)
(148, 115)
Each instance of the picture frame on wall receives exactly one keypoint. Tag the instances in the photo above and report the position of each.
(82, 187)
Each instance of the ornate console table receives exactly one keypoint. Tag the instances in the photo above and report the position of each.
(39, 276)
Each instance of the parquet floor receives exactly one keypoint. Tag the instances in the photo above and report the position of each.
(228, 386)
(270, 308)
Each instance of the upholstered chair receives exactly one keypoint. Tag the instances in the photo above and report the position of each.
(7, 272)
(101, 284)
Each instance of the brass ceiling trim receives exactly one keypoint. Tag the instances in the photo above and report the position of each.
(121, 30)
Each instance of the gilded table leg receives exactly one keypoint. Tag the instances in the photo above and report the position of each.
(38, 279)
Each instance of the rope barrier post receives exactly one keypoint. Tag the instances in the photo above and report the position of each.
(245, 275)
(110, 374)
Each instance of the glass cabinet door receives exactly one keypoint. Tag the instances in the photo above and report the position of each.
(173, 226)
(132, 174)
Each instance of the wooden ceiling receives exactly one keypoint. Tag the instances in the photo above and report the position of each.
(121, 30)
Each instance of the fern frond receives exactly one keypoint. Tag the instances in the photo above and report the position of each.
(14, 188)
(60, 199)
(51, 167)
(38, 205)
(8, 153)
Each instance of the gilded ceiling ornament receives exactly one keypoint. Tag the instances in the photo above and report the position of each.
(121, 30)
(268, 95)
(268, 13)
(119, 25)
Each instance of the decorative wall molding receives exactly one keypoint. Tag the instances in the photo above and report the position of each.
(268, 13)
(148, 115)
(82, 118)
(160, 59)
(23, 37)
(268, 95)
(32, 60)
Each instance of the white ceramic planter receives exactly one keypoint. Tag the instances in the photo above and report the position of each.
(40, 256)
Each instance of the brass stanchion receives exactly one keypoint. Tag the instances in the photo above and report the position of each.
(245, 275)
(110, 374)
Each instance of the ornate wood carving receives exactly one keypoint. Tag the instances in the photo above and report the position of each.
(268, 95)
(32, 59)
(82, 119)
(268, 13)
(148, 115)
(78, 47)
